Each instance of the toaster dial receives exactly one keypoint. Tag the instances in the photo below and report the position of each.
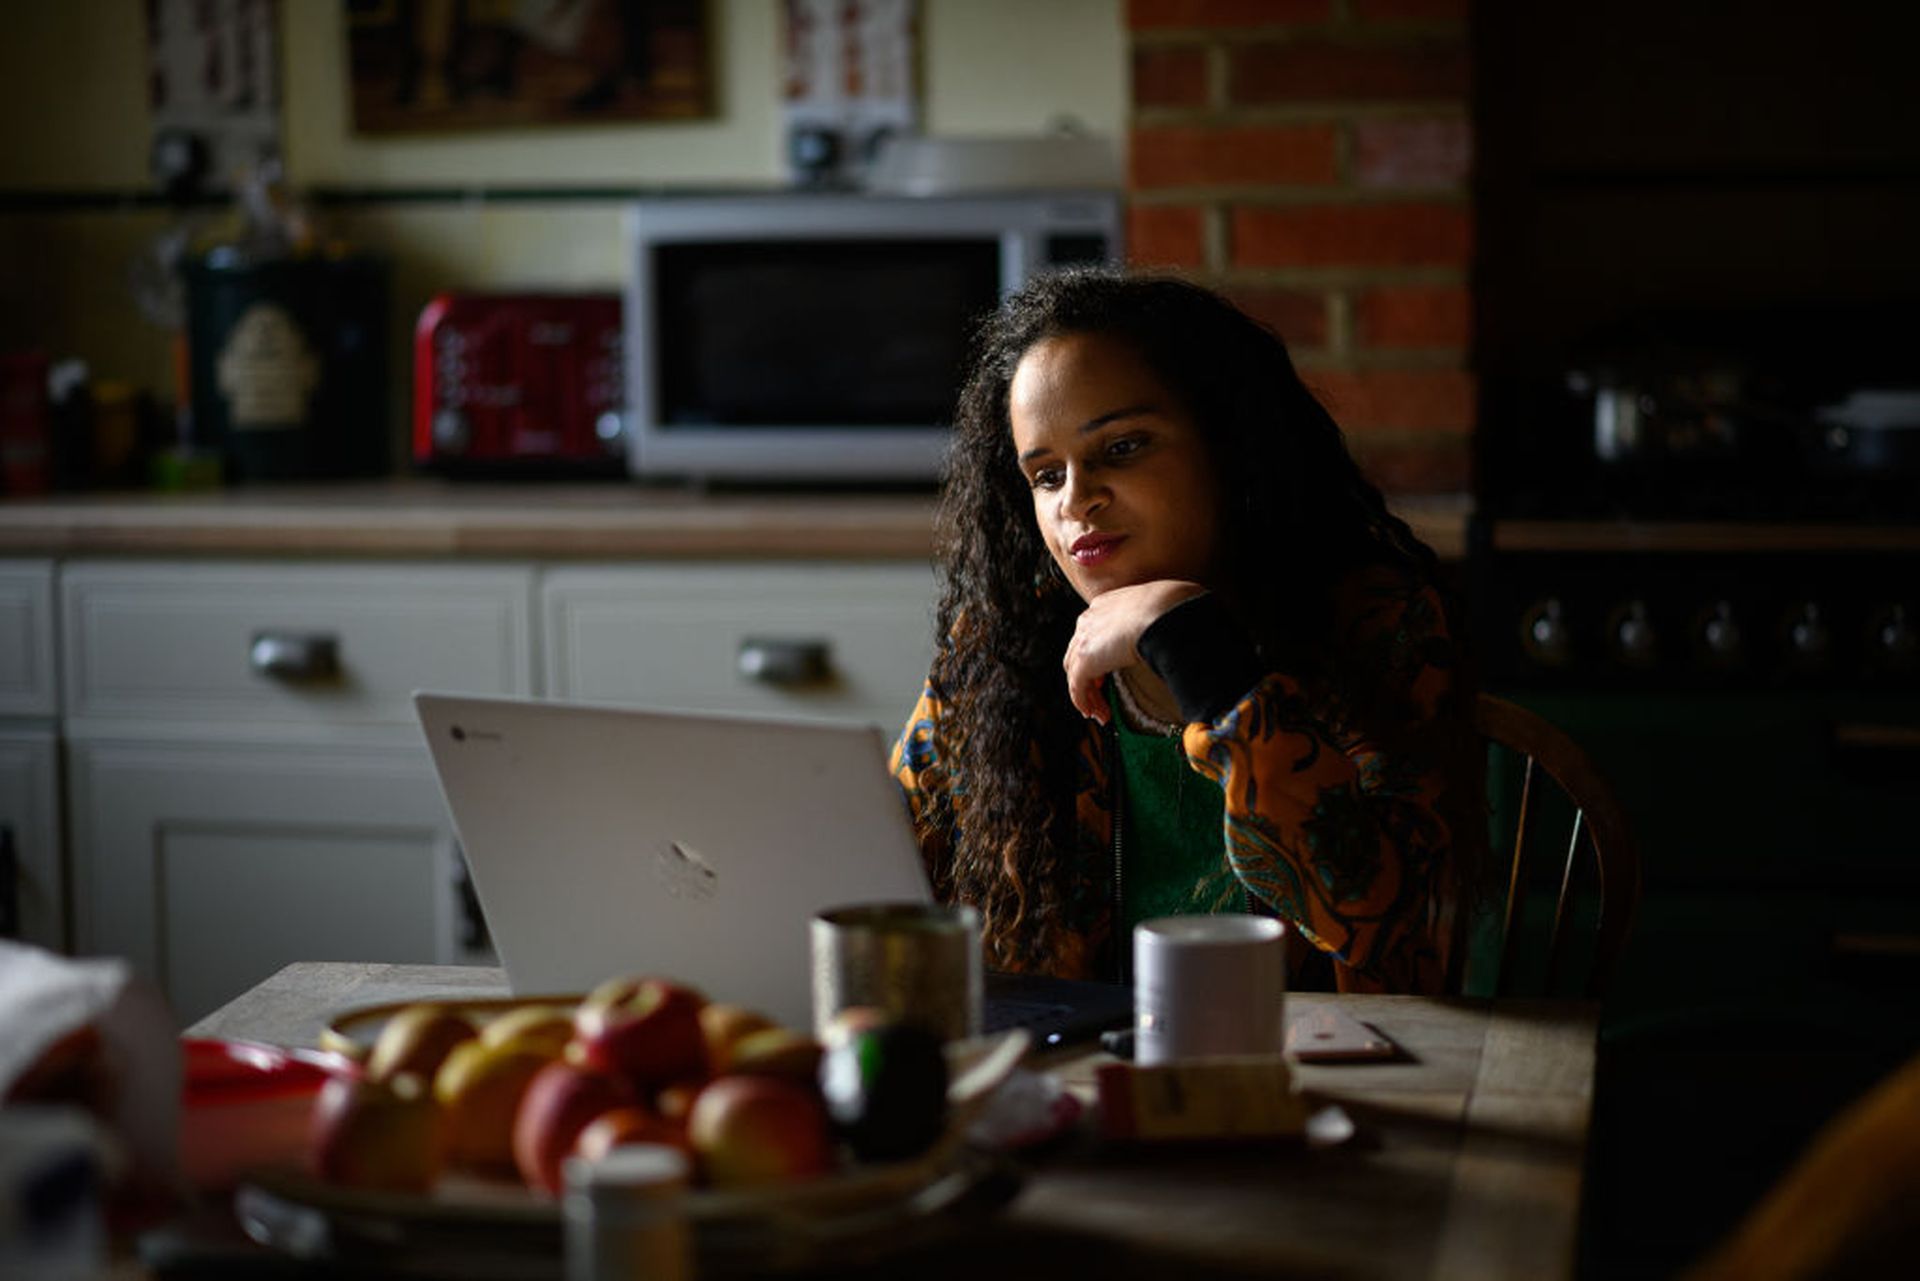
(451, 435)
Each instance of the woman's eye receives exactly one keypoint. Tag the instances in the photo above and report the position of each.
(1046, 478)
(1125, 446)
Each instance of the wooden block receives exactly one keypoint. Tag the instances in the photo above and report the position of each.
(1250, 1097)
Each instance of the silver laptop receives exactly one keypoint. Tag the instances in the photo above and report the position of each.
(605, 841)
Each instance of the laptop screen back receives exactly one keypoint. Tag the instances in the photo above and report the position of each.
(609, 841)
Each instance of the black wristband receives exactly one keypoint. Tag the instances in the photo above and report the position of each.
(1204, 655)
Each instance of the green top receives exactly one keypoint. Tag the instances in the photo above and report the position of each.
(1173, 851)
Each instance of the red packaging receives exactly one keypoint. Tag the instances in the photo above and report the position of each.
(246, 1105)
(26, 424)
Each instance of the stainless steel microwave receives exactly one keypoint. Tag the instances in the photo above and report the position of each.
(821, 337)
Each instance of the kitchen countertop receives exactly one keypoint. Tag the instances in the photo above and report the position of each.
(432, 518)
(613, 520)
(596, 520)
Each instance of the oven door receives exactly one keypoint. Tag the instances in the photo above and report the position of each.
(1758, 716)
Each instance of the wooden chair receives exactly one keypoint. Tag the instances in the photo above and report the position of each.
(1546, 760)
(1845, 1207)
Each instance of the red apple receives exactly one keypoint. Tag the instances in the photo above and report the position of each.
(627, 1125)
(759, 1129)
(560, 1102)
(386, 1134)
(417, 1039)
(645, 1029)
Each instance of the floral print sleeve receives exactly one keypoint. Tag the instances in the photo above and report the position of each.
(913, 763)
(1337, 831)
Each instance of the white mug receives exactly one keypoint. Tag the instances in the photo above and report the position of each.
(1209, 986)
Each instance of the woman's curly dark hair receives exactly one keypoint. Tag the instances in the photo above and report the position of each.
(1289, 488)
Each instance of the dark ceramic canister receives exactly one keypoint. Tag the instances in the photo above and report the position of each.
(289, 365)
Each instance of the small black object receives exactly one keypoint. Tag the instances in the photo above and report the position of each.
(9, 886)
(474, 935)
(180, 162)
(1055, 1011)
(1118, 1042)
(886, 1090)
(815, 154)
(310, 337)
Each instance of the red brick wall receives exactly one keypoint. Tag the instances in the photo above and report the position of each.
(1310, 159)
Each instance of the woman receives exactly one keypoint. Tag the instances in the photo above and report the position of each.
(1187, 660)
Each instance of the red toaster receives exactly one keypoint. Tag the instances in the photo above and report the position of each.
(520, 384)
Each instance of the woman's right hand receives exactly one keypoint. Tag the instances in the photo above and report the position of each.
(1107, 635)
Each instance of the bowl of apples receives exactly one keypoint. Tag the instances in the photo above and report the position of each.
(454, 1120)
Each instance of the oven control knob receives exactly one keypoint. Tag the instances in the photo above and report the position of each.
(1895, 641)
(1544, 634)
(1718, 633)
(1630, 633)
(1807, 637)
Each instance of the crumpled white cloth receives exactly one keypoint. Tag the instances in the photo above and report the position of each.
(45, 996)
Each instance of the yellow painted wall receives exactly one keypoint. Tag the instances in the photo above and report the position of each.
(72, 96)
(72, 99)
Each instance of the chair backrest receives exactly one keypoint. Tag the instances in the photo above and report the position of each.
(1545, 759)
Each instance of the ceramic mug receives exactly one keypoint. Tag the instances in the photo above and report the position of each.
(1209, 986)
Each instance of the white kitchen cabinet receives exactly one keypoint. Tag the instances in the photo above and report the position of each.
(210, 867)
(33, 888)
(27, 685)
(30, 815)
(835, 640)
(227, 814)
(234, 807)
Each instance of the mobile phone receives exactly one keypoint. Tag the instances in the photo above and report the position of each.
(1325, 1034)
(1328, 1034)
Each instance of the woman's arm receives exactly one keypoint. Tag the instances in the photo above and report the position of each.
(1334, 829)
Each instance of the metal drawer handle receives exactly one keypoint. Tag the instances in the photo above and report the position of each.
(776, 661)
(295, 656)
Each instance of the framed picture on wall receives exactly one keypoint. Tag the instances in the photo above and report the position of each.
(427, 65)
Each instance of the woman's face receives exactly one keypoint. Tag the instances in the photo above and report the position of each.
(1123, 488)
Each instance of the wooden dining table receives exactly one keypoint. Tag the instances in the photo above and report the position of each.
(1465, 1159)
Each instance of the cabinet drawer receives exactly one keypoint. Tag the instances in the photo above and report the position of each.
(675, 637)
(26, 638)
(178, 646)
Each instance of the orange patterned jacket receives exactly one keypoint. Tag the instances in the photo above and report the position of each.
(1343, 834)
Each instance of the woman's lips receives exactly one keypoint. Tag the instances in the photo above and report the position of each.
(1091, 549)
